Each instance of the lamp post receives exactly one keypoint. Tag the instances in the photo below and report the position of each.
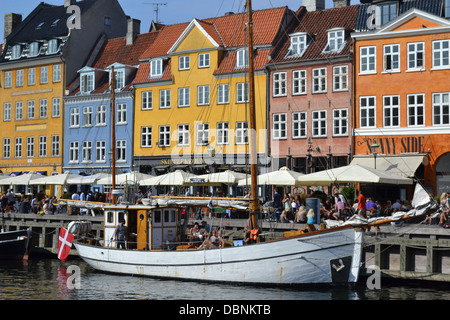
(374, 148)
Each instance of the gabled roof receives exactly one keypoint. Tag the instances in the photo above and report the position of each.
(316, 25)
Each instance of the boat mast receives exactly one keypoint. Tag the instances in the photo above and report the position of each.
(254, 202)
(113, 135)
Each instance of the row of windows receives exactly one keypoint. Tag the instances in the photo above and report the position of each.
(30, 146)
(31, 76)
(415, 55)
(203, 134)
(299, 127)
(301, 40)
(203, 96)
(86, 119)
(34, 49)
(87, 151)
(415, 110)
(31, 109)
(87, 81)
(318, 81)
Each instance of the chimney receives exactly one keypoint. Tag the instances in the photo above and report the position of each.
(341, 3)
(12, 20)
(133, 29)
(68, 3)
(314, 5)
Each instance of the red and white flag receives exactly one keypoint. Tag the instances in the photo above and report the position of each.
(64, 244)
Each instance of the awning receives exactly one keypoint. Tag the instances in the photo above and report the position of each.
(403, 165)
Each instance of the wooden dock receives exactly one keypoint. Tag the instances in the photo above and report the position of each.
(412, 251)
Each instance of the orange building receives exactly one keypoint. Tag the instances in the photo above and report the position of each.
(401, 98)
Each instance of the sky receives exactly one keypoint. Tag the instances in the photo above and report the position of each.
(172, 11)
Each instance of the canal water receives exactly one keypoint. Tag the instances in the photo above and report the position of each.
(47, 279)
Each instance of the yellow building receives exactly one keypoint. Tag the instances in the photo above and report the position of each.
(192, 93)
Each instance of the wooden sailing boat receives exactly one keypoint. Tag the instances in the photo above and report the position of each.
(328, 256)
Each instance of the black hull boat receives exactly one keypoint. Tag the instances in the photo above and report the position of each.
(15, 245)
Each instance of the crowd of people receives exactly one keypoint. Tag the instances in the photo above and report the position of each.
(42, 204)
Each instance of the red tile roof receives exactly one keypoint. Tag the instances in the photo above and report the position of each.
(167, 37)
(228, 63)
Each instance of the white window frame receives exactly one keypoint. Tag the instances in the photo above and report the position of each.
(366, 110)
(87, 82)
(31, 109)
(242, 58)
(74, 152)
(413, 52)
(19, 110)
(6, 148)
(441, 103)
(184, 135)
(366, 65)
(147, 100)
(19, 78)
(336, 40)
(56, 107)
(203, 60)
(184, 97)
(42, 146)
(164, 98)
(279, 84)
(203, 95)
(34, 49)
(319, 80)
(222, 133)
(100, 116)
(319, 123)
(164, 136)
(340, 78)
(7, 111)
(299, 125)
(16, 52)
(8, 79)
(121, 113)
(298, 44)
(100, 151)
(31, 76)
(391, 111)
(299, 82)
(156, 68)
(56, 140)
(242, 92)
(52, 46)
(416, 110)
(184, 63)
(86, 156)
(121, 150)
(279, 126)
(30, 147)
(18, 147)
(241, 132)
(56, 73)
(44, 75)
(340, 122)
(74, 117)
(146, 137)
(202, 138)
(88, 116)
(43, 108)
(391, 58)
(441, 54)
(223, 93)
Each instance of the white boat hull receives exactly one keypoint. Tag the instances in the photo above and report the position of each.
(326, 257)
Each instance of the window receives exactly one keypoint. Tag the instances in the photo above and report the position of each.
(31, 76)
(319, 123)
(242, 92)
(121, 148)
(55, 145)
(279, 84)
(42, 146)
(146, 137)
(416, 56)
(441, 112)
(56, 107)
(335, 40)
(44, 74)
(298, 44)
(16, 51)
(164, 136)
(202, 134)
(298, 82)
(156, 68)
(223, 93)
(30, 109)
(87, 116)
(121, 115)
(87, 152)
(319, 78)
(8, 79)
(57, 73)
(242, 132)
(147, 100)
(391, 58)
(73, 151)
(279, 126)
(183, 135)
(242, 58)
(18, 148)
(367, 112)
(391, 111)
(43, 108)
(184, 97)
(222, 133)
(119, 79)
(416, 108)
(203, 95)
(340, 122)
(100, 116)
(386, 13)
(203, 60)
(441, 50)
(19, 110)
(447, 8)
(30, 147)
(52, 46)
(183, 63)
(299, 125)
(19, 78)
(367, 59)
(340, 78)
(100, 151)
(34, 49)
(107, 21)
(87, 83)
(74, 117)
(7, 112)
(6, 147)
(164, 98)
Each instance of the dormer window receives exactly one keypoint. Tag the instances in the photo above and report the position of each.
(34, 49)
(52, 46)
(385, 13)
(156, 68)
(242, 58)
(16, 51)
(299, 42)
(39, 26)
(55, 22)
(447, 8)
(87, 82)
(336, 39)
(119, 79)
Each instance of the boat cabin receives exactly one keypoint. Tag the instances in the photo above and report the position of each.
(147, 228)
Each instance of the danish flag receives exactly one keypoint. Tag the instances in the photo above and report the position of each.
(64, 244)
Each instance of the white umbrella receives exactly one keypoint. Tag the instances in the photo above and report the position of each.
(23, 179)
(130, 177)
(88, 179)
(59, 179)
(353, 173)
(227, 177)
(176, 178)
(281, 177)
